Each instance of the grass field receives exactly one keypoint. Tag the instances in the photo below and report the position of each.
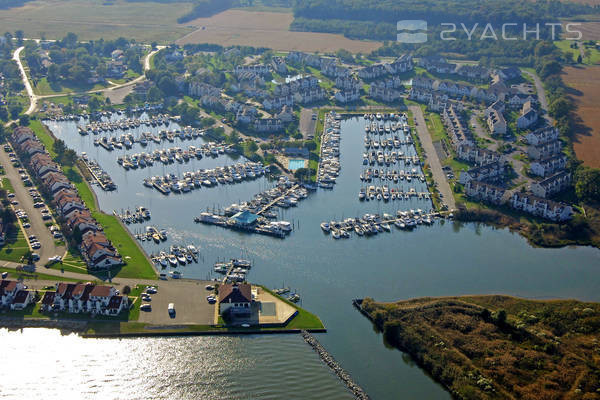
(586, 93)
(15, 247)
(592, 57)
(7, 185)
(43, 88)
(93, 19)
(268, 29)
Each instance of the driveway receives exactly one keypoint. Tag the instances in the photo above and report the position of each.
(38, 227)
(432, 158)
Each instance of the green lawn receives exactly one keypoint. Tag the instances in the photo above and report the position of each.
(593, 54)
(7, 185)
(15, 247)
(36, 276)
(43, 87)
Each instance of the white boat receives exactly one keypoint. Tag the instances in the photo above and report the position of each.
(175, 274)
(325, 227)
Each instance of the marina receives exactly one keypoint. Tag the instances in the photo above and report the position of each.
(139, 215)
(100, 176)
(191, 180)
(152, 233)
(433, 260)
(256, 216)
(329, 160)
(372, 224)
(176, 256)
(171, 155)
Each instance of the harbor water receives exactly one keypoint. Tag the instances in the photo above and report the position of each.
(447, 258)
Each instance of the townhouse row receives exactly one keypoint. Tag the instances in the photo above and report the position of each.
(96, 249)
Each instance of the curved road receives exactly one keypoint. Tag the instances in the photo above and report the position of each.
(34, 98)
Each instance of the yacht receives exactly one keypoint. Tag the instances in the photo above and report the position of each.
(325, 226)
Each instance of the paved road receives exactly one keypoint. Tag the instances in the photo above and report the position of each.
(541, 93)
(34, 98)
(432, 158)
(38, 227)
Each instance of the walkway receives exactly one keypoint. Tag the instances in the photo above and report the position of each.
(432, 158)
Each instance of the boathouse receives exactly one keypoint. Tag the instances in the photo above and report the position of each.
(244, 219)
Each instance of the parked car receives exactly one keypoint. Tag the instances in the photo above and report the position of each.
(151, 290)
(35, 256)
(36, 245)
(171, 309)
(4, 275)
(146, 307)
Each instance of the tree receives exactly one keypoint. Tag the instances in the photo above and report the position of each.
(15, 110)
(126, 289)
(560, 108)
(302, 174)
(579, 59)
(587, 184)
(501, 317)
(69, 157)
(19, 36)
(94, 104)
(3, 114)
(59, 147)
(24, 120)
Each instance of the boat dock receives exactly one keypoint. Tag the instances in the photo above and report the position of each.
(99, 175)
(231, 174)
(372, 224)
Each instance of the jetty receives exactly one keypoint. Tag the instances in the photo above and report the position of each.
(357, 391)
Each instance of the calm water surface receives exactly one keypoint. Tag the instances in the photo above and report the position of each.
(445, 259)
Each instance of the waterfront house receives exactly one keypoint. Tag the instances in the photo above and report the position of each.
(544, 208)
(544, 150)
(235, 300)
(21, 300)
(84, 298)
(551, 185)
(8, 290)
(548, 166)
(485, 192)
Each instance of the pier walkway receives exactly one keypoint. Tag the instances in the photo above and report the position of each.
(267, 207)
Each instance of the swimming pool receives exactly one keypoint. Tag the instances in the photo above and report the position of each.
(295, 164)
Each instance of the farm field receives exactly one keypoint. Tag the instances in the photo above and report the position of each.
(267, 29)
(94, 19)
(586, 85)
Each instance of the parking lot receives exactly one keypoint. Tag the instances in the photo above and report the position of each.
(30, 209)
(189, 298)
